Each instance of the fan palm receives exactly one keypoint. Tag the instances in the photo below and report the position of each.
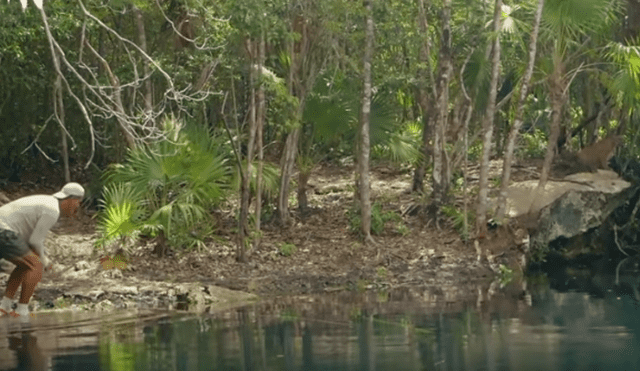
(174, 181)
(564, 24)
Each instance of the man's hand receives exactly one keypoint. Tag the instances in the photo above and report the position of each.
(46, 263)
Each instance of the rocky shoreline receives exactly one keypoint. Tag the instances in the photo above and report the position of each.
(78, 281)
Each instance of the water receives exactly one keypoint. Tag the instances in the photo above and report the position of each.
(575, 320)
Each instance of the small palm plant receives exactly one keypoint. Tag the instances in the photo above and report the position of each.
(121, 217)
(176, 182)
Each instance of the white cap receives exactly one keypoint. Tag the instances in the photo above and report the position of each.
(70, 190)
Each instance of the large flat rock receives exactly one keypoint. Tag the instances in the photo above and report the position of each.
(522, 196)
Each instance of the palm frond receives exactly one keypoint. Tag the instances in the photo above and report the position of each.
(569, 18)
(402, 146)
(626, 82)
(385, 113)
(175, 181)
(121, 213)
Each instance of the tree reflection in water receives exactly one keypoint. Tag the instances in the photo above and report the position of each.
(507, 329)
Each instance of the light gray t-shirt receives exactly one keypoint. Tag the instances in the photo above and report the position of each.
(31, 218)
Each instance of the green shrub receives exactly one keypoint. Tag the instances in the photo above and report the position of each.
(456, 215)
(166, 188)
(506, 274)
(379, 219)
(535, 144)
(287, 249)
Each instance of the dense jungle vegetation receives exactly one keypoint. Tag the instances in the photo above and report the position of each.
(166, 108)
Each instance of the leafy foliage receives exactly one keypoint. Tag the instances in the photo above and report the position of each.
(569, 18)
(402, 146)
(534, 144)
(287, 249)
(174, 182)
(121, 216)
(456, 215)
(379, 220)
(332, 110)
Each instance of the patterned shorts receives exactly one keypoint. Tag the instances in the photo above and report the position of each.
(11, 246)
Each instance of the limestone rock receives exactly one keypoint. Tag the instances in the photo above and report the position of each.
(522, 196)
(578, 211)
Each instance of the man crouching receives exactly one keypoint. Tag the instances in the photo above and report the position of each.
(24, 224)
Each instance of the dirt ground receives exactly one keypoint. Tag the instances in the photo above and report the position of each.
(326, 256)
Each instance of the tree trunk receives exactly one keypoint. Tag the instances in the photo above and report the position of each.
(301, 75)
(303, 179)
(487, 125)
(261, 113)
(290, 146)
(59, 112)
(423, 99)
(247, 170)
(286, 170)
(557, 92)
(557, 88)
(517, 122)
(142, 42)
(632, 26)
(440, 187)
(364, 143)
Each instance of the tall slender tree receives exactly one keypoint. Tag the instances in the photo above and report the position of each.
(423, 96)
(363, 134)
(142, 42)
(247, 168)
(303, 69)
(487, 123)
(565, 21)
(440, 185)
(518, 119)
(260, 119)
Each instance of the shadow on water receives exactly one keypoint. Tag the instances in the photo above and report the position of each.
(570, 318)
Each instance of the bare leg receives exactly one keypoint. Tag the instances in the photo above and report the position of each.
(29, 282)
(28, 273)
(15, 280)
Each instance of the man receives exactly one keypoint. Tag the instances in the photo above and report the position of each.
(24, 224)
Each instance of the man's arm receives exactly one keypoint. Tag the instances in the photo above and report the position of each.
(36, 241)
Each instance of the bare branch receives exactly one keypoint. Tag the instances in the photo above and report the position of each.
(56, 62)
(182, 36)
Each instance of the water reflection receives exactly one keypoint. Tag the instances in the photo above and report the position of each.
(29, 356)
(542, 323)
(67, 341)
(563, 331)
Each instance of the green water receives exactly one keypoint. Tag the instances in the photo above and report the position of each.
(568, 327)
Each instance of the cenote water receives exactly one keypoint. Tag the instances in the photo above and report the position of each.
(575, 320)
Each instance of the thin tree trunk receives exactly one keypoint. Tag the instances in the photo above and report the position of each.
(557, 90)
(142, 42)
(303, 179)
(286, 170)
(465, 143)
(517, 122)
(487, 125)
(297, 87)
(59, 111)
(632, 27)
(423, 99)
(261, 113)
(290, 150)
(247, 169)
(557, 93)
(364, 143)
(440, 187)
